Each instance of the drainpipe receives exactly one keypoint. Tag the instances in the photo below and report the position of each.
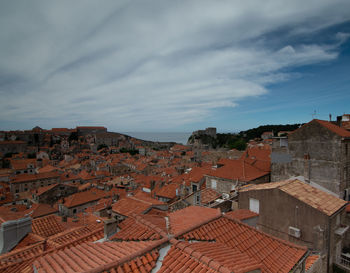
(329, 243)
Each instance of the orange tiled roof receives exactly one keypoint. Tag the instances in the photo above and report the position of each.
(40, 210)
(310, 261)
(32, 177)
(20, 259)
(241, 214)
(89, 256)
(207, 257)
(131, 205)
(22, 164)
(44, 189)
(209, 195)
(141, 229)
(238, 170)
(318, 199)
(47, 168)
(167, 191)
(334, 128)
(47, 226)
(275, 255)
(29, 239)
(84, 197)
(191, 217)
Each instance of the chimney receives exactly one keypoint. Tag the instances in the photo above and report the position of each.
(110, 227)
(330, 117)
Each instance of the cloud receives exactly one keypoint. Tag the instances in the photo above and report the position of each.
(151, 64)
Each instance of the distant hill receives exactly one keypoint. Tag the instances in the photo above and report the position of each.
(238, 141)
(257, 132)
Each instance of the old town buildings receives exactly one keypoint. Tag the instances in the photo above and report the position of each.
(88, 200)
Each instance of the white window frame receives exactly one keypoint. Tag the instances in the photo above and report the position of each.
(213, 184)
(254, 205)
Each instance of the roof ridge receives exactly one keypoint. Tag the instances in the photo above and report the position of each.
(203, 258)
(149, 225)
(143, 201)
(129, 257)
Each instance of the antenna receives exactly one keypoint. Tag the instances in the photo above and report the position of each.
(313, 114)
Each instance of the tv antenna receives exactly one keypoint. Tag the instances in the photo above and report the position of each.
(314, 114)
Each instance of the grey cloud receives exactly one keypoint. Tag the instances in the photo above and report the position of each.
(131, 65)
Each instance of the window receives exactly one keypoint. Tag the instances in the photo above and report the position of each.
(194, 188)
(74, 211)
(254, 205)
(197, 199)
(213, 184)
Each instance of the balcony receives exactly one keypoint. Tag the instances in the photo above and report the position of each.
(344, 262)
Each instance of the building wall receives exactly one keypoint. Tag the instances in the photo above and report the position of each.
(32, 184)
(70, 212)
(315, 226)
(220, 185)
(226, 185)
(53, 195)
(12, 232)
(315, 153)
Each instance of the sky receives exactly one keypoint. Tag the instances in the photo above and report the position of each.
(172, 66)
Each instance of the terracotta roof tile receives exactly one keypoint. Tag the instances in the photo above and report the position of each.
(91, 256)
(274, 254)
(318, 199)
(84, 197)
(209, 195)
(133, 229)
(334, 128)
(33, 177)
(167, 191)
(47, 226)
(134, 205)
(241, 214)
(191, 217)
(310, 261)
(238, 170)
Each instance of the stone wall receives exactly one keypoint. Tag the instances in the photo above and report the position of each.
(315, 153)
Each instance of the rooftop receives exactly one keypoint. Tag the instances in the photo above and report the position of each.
(316, 198)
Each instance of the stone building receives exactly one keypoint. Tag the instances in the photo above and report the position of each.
(51, 194)
(235, 173)
(306, 216)
(109, 139)
(78, 202)
(319, 151)
(25, 182)
(12, 146)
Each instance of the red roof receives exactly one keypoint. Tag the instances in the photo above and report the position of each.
(238, 170)
(132, 205)
(334, 128)
(207, 257)
(191, 217)
(89, 256)
(84, 197)
(330, 126)
(274, 254)
(47, 226)
(209, 195)
(140, 229)
(167, 191)
(241, 214)
(33, 177)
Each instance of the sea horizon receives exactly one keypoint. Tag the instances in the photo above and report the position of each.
(178, 137)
